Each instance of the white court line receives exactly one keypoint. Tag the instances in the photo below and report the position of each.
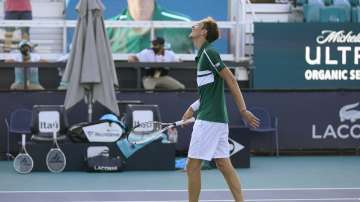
(183, 190)
(315, 199)
(261, 200)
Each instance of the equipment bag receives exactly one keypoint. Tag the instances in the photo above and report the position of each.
(99, 160)
(101, 131)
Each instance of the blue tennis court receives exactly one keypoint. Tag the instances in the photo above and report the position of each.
(283, 179)
(286, 194)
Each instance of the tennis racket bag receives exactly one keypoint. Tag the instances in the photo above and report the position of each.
(99, 160)
(100, 131)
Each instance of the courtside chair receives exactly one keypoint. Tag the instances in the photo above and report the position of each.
(268, 125)
(18, 123)
(136, 114)
(46, 119)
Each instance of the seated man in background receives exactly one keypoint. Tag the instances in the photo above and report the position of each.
(32, 73)
(157, 77)
(134, 40)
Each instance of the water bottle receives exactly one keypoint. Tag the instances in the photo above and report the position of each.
(172, 135)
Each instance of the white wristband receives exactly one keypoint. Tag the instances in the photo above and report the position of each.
(195, 106)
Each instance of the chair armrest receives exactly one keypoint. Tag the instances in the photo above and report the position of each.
(274, 122)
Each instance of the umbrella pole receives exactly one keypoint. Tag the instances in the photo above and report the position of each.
(90, 107)
(89, 102)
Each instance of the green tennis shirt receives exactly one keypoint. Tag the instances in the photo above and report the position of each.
(210, 85)
(134, 40)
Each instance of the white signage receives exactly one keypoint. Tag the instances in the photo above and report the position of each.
(348, 115)
(331, 36)
(49, 121)
(235, 147)
(143, 116)
(103, 132)
(323, 65)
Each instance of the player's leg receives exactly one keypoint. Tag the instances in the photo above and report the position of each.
(223, 163)
(226, 168)
(193, 170)
(202, 147)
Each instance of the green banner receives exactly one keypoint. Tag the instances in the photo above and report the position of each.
(306, 56)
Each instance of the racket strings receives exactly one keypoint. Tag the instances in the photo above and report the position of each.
(56, 160)
(23, 163)
(147, 128)
(152, 129)
(151, 126)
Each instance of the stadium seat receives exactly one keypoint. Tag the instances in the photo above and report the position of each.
(312, 10)
(301, 2)
(355, 14)
(354, 3)
(342, 3)
(268, 125)
(335, 11)
(333, 14)
(355, 10)
(19, 123)
(46, 119)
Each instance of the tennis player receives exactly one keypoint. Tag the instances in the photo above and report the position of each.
(210, 132)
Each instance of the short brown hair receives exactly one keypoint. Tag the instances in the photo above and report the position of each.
(212, 29)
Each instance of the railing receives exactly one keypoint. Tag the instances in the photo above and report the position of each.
(138, 66)
(235, 26)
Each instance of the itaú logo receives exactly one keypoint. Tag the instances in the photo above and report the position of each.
(330, 36)
(348, 129)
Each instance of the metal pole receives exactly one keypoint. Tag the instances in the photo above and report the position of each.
(237, 30)
(152, 31)
(64, 38)
(240, 30)
(89, 101)
(90, 106)
(64, 29)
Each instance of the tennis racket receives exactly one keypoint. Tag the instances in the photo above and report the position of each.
(23, 162)
(158, 128)
(55, 158)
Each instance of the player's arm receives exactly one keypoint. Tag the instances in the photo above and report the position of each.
(139, 57)
(191, 110)
(133, 58)
(234, 88)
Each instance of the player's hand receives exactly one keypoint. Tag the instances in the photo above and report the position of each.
(188, 114)
(250, 119)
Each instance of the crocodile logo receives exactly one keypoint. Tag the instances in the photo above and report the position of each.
(348, 112)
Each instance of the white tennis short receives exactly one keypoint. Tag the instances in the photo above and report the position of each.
(209, 140)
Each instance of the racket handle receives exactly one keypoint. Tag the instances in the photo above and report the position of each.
(182, 122)
(23, 139)
(54, 135)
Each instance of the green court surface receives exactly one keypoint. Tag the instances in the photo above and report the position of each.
(283, 172)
